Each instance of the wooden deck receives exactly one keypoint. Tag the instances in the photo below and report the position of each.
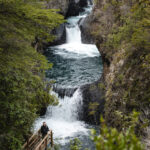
(36, 142)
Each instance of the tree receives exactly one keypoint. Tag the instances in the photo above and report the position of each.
(111, 139)
(22, 68)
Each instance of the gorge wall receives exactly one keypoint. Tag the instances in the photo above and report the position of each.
(121, 33)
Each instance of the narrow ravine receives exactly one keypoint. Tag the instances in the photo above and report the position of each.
(74, 64)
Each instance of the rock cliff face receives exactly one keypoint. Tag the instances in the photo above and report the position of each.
(93, 102)
(75, 7)
(60, 34)
(62, 5)
(67, 7)
(117, 32)
(86, 30)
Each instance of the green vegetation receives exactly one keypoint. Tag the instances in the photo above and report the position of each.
(93, 107)
(111, 139)
(24, 25)
(133, 27)
(75, 144)
(56, 147)
(123, 34)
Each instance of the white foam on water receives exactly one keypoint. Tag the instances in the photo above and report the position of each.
(73, 21)
(73, 34)
(77, 50)
(63, 118)
(62, 129)
(74, 48)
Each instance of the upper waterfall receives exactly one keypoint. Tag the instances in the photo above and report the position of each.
(73, 34)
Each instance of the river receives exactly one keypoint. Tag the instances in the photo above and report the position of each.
(74, 64)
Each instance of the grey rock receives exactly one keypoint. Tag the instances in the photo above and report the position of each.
(93, 97)
(86, 34)
(60, 33)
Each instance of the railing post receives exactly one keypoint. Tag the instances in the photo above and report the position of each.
(39, 133)
(40, 148)
(27, 144)
(52, 144)
(45, 143)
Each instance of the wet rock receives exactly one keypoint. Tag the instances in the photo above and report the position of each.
(67, 7)
(83, 3)
(93, 102)
(85, 28)
(91, 2)
(62, 92)
(42, 111)
(60, 33)
(75, 7)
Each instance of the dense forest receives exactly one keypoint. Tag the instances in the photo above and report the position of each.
(121, 31)
(24, 26)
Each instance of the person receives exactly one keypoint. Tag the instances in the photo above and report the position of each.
(44, 129)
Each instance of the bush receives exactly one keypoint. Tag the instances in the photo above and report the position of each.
(111, 139)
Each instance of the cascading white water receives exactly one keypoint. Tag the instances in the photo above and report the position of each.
(74, 48)
(68, 107)
(73, 34)
(63, 118)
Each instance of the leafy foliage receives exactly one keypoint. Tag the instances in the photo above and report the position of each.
(75, 144)
(123, 36)
(22, 87)
(111, 139)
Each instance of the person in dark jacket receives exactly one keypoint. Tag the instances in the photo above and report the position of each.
(44, 129)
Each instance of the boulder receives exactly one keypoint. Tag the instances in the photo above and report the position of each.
(86, 33)
(62, 92)
(93, 102)
(83, 3)
(60, 33)
(75, 7)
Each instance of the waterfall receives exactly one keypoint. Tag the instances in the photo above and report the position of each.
(63, 118)
(73, 34)
(68, 107)
(75, 64)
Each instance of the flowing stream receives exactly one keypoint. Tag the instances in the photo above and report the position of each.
(74, 64)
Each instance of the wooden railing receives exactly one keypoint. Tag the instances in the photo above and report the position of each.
(35, 142)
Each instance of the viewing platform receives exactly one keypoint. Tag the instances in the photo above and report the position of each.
(36, 142)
